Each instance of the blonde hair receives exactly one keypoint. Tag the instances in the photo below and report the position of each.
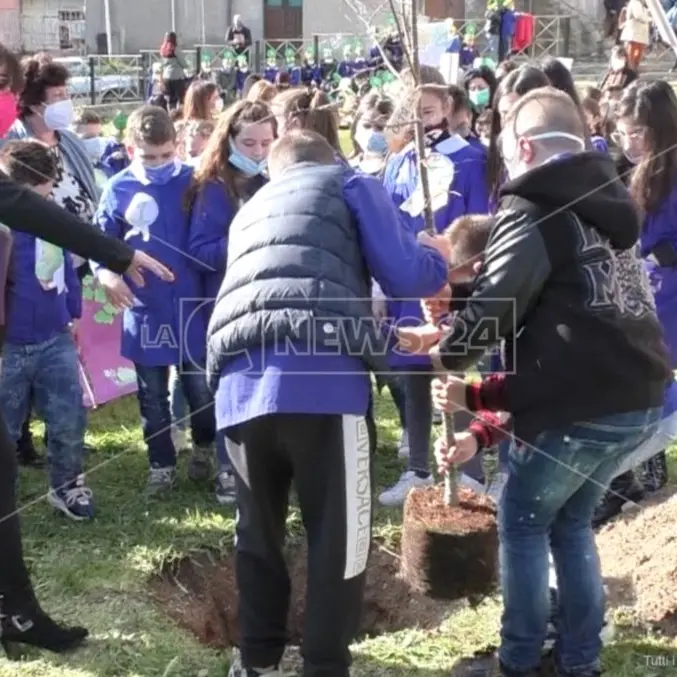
(262, 91)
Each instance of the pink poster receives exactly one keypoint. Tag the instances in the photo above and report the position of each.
(105, 374)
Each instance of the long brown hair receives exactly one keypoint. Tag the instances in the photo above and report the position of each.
(652, 106)
(214, 165)
(197, 104)
(313, 111)
(168, 46)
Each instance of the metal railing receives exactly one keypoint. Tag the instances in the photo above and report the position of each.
(97, 79)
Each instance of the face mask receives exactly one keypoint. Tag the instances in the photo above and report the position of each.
(479, 97)
(161, 174)
(370, 140)
(94, 147)
(7, 111)
(59, 115)
(517, 169)
(218, 105)
(246, 165)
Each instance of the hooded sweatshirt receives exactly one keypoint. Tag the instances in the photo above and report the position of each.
(550, 280)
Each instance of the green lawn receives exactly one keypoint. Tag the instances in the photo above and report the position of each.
(97, 574)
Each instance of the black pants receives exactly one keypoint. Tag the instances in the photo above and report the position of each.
(175, 90)
(327, 460)
(15, 586)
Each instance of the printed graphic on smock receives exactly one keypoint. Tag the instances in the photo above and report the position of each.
(440, 177)
(141, 213)
(49, 266)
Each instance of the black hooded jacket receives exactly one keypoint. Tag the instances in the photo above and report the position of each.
(573, 349)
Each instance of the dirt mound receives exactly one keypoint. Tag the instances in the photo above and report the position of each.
(200, 594)
(639, 561)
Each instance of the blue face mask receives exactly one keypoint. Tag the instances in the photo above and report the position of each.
(244, 164)
(161, 174)
(377, 143)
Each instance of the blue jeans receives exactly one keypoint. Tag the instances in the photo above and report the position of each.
(552, 490)
(51, 371)
(156, 420)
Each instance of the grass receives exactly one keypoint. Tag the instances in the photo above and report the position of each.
(97, 574)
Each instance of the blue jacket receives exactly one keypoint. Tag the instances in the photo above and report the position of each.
(168, 324)
(113, 159)
(35, 315)
(74, 153)
(467, 195)
(208, 235)
(659, 228)
(266, 382)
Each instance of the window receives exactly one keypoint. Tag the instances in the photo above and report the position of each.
(273, 3)
(295, 3)
(71, 28)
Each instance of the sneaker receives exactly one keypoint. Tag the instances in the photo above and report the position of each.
(73, 499)
(398, 492)
(403, 447)
(225, 488)
(180, 438)
(160, 479)
(237, 670)
(200, 463)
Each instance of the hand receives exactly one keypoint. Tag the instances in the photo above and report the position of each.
(143, 263)
(437, 242)
(449, 394)
(465, 447)
(117, 292)
(437, 307)
(418, 340)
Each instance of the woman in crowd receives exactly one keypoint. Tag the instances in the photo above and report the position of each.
(620, 74)
(174, 71)
(509, 90)
(636, 32)
(230, 172)
(480, 86)
(45, 113)
(203, 102)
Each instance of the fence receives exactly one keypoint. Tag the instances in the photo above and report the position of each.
(126, 77)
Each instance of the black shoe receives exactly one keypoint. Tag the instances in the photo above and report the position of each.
(624, 488)
(36, 628)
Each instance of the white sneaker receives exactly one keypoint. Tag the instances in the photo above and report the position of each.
(467, 481)
(403, 448)
(180, 438)
(236, 670)
(398, 492)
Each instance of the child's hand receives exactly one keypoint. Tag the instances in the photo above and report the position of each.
(418, 340)
(117, 292)
(437, 307)
(449, 394)
(465, 447)
(142, 263)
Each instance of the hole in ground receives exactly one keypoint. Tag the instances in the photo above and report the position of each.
(200, 594)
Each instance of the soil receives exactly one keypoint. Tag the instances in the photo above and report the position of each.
(639, 561)
(449, 552)
(200, 594)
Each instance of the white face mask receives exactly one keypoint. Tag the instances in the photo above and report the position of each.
(59, 115)
(518, 168)
(218, 105)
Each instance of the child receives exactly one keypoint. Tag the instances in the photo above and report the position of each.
(196, 136)
(461, 116)
(242, 73)
(40, 357)
(595, 122)
(293, 69)
(271, 70)
(483, 127)
(271, 389)
(311, 74)
(165, 326)
(458, 186)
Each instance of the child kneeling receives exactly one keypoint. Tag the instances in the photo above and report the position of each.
(40, 355)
